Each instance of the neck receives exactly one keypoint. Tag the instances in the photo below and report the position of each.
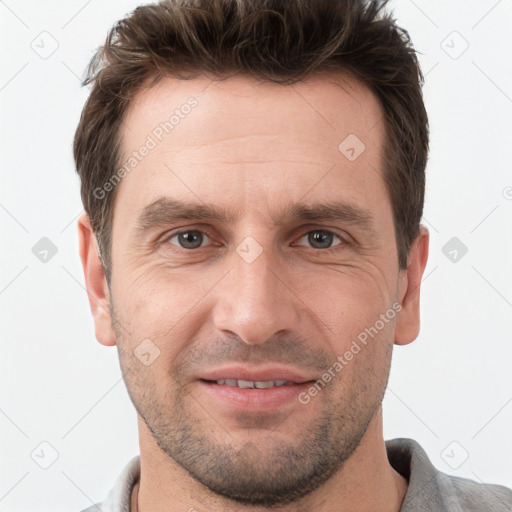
(365, 483)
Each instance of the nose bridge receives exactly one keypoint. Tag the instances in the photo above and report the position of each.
(254, 280)
(253, 302)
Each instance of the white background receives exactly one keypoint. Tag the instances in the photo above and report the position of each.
(60, 386)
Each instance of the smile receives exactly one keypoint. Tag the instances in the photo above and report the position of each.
(249, 384)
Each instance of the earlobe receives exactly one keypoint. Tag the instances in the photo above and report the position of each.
(95, 282)
(407, 326)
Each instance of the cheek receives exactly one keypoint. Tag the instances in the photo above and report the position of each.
(365, 358)
(346, 299)
(161, 305)
(169, 305)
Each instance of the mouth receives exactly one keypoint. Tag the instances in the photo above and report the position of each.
(247, 377)
(248, 390)
(251, 384)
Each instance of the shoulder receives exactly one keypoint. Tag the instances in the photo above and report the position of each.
(472, 496)
(118, 499)
(432, 490)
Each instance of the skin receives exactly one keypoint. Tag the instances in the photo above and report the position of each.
(254, 149)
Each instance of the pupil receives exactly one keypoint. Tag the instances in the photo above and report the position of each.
(322, 238)
(190, 239)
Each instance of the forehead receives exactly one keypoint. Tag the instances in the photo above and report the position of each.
(251, 142)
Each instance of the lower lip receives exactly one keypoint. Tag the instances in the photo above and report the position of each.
(254, 399)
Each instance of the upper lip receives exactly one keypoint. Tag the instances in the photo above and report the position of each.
(269, 373)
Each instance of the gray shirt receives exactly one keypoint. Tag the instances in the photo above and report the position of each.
(429, 490)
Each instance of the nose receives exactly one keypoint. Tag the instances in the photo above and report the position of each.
(254, 301)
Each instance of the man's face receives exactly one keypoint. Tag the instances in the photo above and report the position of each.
(268, 293)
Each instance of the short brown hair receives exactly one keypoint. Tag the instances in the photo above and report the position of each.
(281, 41)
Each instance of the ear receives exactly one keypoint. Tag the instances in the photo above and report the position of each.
(95, 282)
(407, 326)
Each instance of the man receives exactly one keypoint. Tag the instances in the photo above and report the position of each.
(253, 179)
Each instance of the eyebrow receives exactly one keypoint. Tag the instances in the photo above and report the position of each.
(166, 210)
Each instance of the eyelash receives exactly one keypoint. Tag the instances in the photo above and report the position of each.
(342, 240)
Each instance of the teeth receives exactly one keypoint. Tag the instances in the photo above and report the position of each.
(264, 385)
(249, 384)
(245, 384)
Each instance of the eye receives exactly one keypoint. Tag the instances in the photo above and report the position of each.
(192, 239)
(321, 239)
